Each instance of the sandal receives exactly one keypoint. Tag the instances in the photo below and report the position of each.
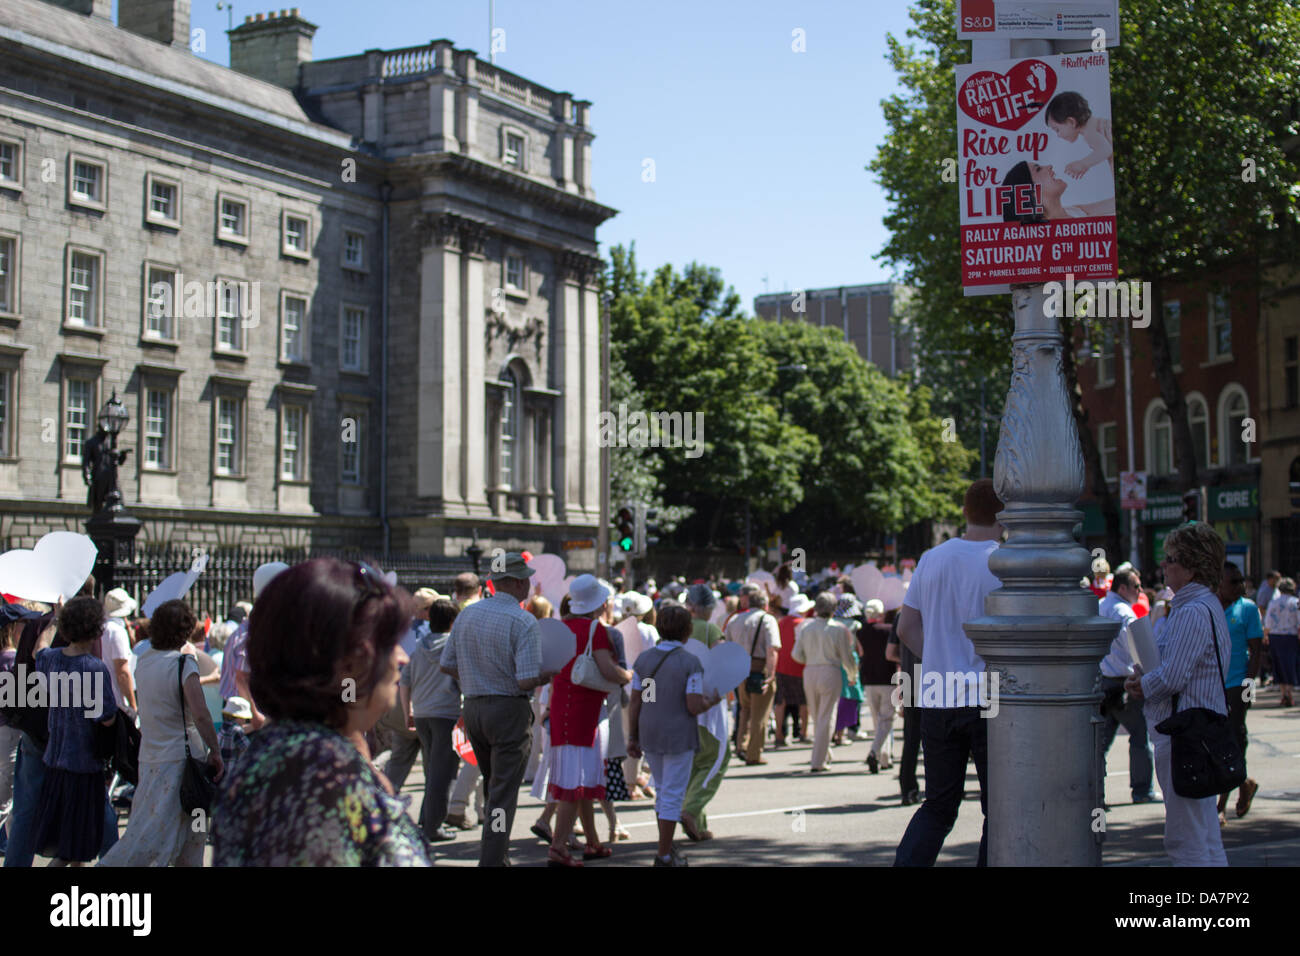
(597, 852)
(619, 833)
(554, 858)
(542, 833)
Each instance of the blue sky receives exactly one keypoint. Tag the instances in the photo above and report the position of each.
(758, 150)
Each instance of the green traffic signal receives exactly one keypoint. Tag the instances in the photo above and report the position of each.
(625, 543)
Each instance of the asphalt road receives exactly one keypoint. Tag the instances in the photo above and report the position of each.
(780, 814)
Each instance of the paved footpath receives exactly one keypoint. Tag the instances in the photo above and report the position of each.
(780, 814)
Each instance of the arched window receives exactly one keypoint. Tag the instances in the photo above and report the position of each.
(509, 428)
(1233, 411)
(1159, 439)
(1198, 419)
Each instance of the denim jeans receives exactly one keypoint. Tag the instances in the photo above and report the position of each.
(1117, 708)
(951, 736)
(29, 774)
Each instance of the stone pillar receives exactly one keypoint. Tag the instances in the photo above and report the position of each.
(472, 394)
(442, 101)
(562, 164)
(582, 158)
(1041, 638)
(467, 101)
(568, 378)
(591, 394)
(439, 430)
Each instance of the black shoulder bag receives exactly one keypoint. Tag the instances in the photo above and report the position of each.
(197, 788)
(754, 682)
(1205, 757)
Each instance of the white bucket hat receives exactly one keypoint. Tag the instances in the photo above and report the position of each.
(800, 604)
(636, 603)
(117, 603)
(263, 575)
(587, 594)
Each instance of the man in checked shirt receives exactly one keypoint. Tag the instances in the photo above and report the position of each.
(494, 652)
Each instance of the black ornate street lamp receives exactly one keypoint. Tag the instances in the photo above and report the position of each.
(474, 551)
(110, 526)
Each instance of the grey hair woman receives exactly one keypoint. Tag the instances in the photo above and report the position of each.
(1190, 674)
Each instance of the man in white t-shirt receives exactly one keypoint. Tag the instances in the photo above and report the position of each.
(948, 589)
(115, 647)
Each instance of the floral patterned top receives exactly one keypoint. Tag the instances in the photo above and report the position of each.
(303, 796)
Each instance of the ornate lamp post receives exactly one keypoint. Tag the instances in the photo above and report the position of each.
(110, 526)
(1041, 634)
(475, 550)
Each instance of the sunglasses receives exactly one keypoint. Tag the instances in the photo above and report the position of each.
(372, 584)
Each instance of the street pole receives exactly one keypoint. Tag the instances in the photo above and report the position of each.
(1128, 427)
(1041, 637)
(602, 534)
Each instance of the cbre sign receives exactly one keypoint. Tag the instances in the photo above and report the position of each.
(1038, 19)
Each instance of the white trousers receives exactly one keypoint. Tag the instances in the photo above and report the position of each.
(881, 704)
(672, 773)
(1192, 835)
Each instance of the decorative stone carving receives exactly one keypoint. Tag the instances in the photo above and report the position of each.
(473, 236)
(442, 229)
(515, 332)
(579, 267)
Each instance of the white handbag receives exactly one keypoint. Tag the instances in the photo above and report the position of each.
(586, 672)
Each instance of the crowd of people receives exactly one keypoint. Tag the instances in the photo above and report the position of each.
(309, 707)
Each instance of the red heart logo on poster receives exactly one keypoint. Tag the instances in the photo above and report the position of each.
(1008, 100)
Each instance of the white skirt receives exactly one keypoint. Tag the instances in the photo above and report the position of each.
(159, 832)
(576, 773)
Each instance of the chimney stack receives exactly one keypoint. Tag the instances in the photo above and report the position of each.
(167, 21)
(273, 47)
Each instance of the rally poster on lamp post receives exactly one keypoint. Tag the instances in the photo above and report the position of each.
(1035, 171)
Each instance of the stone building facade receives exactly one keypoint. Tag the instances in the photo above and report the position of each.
(348, 303)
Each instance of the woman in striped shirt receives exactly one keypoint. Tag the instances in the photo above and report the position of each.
(1188, 676)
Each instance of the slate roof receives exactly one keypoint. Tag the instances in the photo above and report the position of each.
(101, 45)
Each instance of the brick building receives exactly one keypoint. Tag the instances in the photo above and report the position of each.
(347, 303)
(1279, 362)
(864, 313)
(1213, 328)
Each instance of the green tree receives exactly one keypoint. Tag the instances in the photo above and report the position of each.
(798, 428)
(634, 472)
(1197, 87)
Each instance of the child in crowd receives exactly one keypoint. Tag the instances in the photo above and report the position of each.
(233, 734)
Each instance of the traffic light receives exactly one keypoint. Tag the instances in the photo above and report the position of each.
(651, 528)
(1192, 505)
(626, 530)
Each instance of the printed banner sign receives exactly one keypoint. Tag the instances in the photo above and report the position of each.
(1133, 490)
(1035, 170)
(1030, 20)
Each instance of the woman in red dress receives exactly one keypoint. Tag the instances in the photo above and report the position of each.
(577, 767)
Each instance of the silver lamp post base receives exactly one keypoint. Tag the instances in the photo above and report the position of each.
(1042, 637)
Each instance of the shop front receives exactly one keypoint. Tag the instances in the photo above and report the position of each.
(1162, 514)
(1233, 511)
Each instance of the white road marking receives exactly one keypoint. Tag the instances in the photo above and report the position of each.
(732, 816)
